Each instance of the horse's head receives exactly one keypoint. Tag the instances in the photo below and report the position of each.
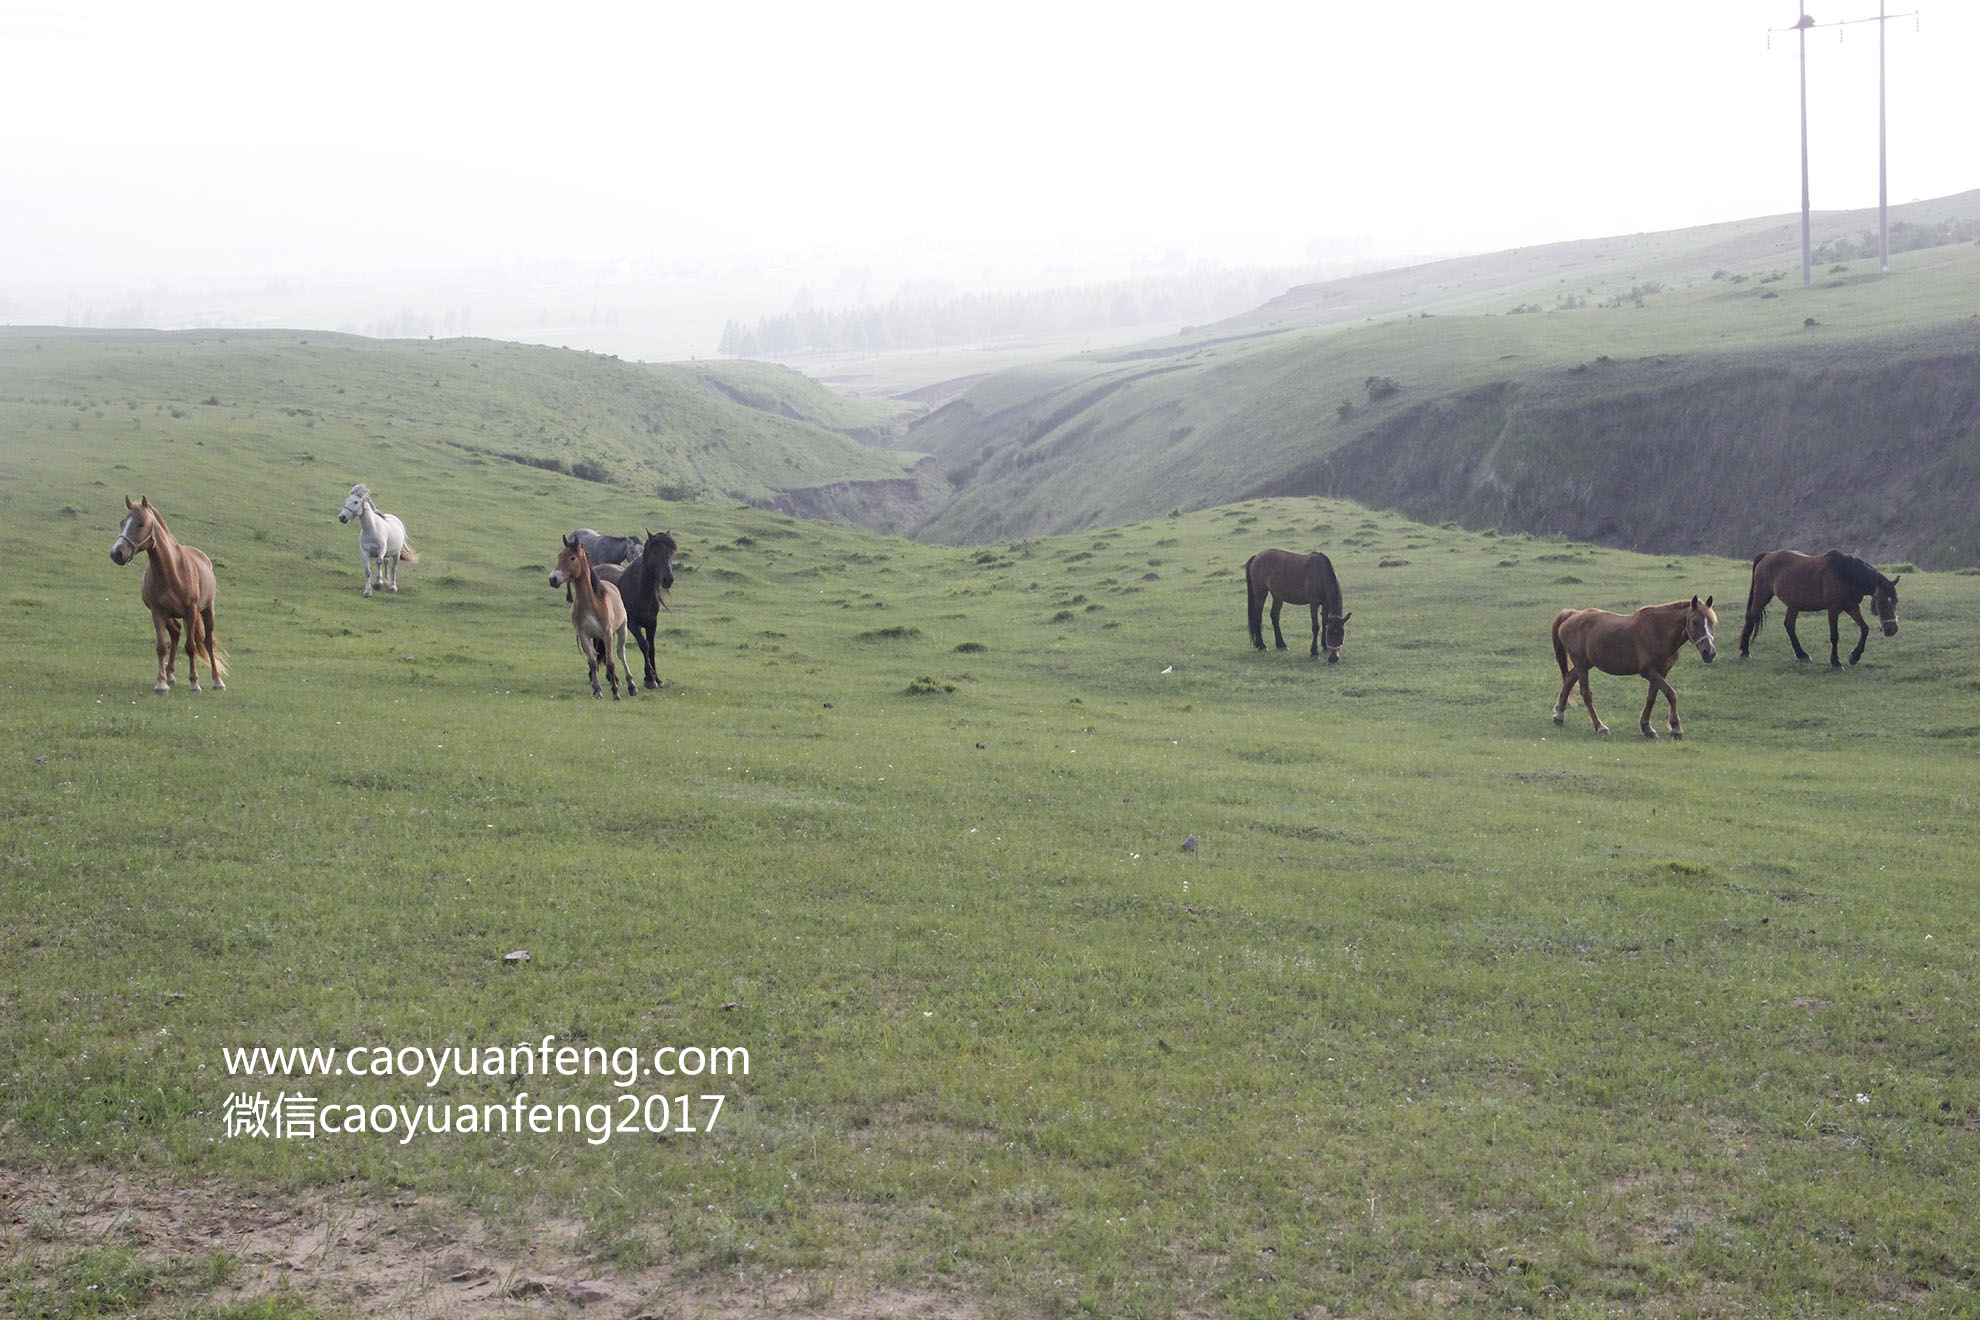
(356, 501)
(141, 524)
(572, 563)
(1699, 621)
(1333, 634)
(663, 545)
(1884, 601)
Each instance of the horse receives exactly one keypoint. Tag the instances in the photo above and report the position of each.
(1831, 581)
(606, 551)
(1647, 642)
(178, 588)
(598, 617)
(640, 584)
(381, 537)
(1297, 580)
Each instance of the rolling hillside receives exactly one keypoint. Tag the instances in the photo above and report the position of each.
(1669, 392)
(741, 431)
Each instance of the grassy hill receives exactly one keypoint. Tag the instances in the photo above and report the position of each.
(1638, 391)
(742, 431)
(1441, 1009)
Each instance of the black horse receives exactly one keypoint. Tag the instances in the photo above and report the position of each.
(1831, 581)
(1299, 580)
(640, 584)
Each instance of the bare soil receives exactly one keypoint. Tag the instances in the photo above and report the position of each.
(407, 1257)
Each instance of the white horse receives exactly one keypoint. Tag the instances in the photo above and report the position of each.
(381, 537)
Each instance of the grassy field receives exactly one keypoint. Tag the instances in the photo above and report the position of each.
(1444, 1010)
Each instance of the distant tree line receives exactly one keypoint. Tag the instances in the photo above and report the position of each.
(976, 318)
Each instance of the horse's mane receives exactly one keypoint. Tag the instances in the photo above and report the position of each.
(1858, 573)
(362, 491)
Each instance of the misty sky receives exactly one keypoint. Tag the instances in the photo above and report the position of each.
(194, 138)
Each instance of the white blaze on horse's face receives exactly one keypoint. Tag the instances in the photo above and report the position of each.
(1698, 629)
(130, 539)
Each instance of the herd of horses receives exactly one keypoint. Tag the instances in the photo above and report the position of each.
(1646, 642)
(616, 586)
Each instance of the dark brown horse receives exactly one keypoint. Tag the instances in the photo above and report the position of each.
(640, 584)
(178, 588)
(1831, 581)
(1647, 642)
(1295, 579)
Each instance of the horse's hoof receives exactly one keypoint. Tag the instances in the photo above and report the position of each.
(162, 690)
(1650, 733)
(1602, 730)
(1559, 719)
(218, 686)
(1677, 735)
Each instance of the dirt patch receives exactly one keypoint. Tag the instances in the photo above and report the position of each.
(406, 1258)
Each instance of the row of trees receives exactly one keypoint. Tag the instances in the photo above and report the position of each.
(977, 318)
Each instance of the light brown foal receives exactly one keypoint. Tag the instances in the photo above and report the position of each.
(178, 589)
(1647, 642)
(598, 617)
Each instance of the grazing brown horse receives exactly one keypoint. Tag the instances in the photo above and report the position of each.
(1295, 579)
(1647, 642)
(178, 588)
(598, 617)
(1831, 581)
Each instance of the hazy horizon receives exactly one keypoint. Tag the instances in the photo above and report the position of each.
(210, 161)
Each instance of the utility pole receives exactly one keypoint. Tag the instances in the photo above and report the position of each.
(1801, 29)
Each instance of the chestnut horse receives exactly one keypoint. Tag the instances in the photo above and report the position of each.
(1647, 642)
(178, 588)
(1831, 581)
(598, 617)
(1297, 580)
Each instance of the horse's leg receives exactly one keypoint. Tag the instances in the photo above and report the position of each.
(1835, 639)
(1314, 610)
(1588, 696)
(391, 565)
(212, 655)
(168, 641)
(364, 556)
(1863, 634)
(632, 688)
(1658, 683)
(1254, 613)
(193, 645)
(1568, 676)
(1278, 637)
(645, 635)
(590, 651)
(1794, 640)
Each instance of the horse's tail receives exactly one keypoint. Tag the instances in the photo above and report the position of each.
(1756, 600)
(1254, 603)
(407, 553)
(1560, 653)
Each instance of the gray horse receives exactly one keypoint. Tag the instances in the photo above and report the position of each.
(602, 549)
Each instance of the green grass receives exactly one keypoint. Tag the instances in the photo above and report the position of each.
(1449, 1010)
